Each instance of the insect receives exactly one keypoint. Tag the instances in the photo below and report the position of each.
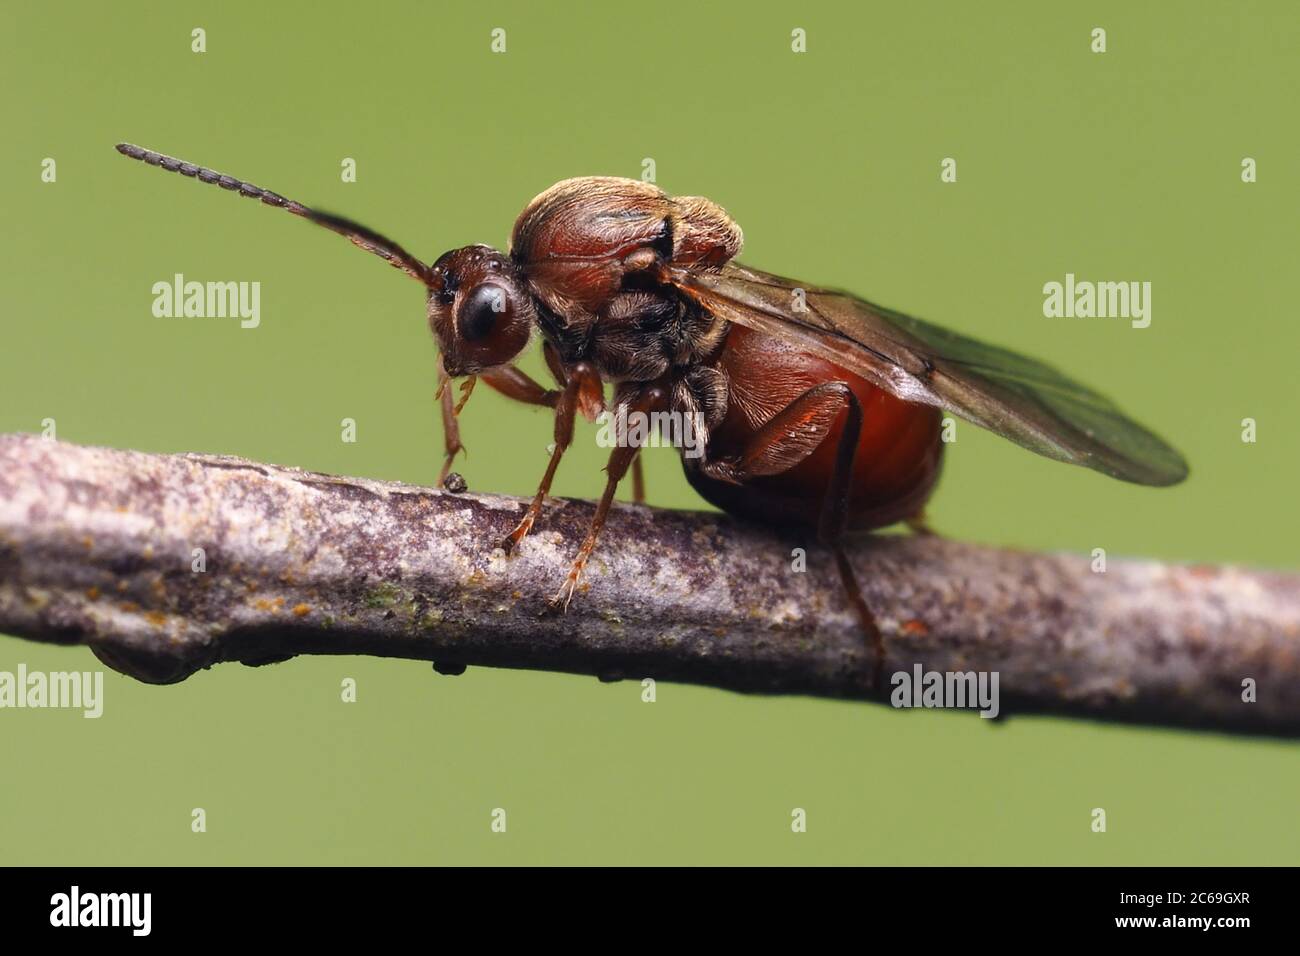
(820, 412)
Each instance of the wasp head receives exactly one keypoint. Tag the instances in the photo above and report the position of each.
(480, 309)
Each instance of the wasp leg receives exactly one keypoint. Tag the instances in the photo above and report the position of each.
(788, 438)
(450, 427)
(582, 380)
(510, 381)
(831, 532)
(516, 384)
(645, 400)
(591, 391)
(638, 481)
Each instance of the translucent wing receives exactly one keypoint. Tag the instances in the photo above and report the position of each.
(1021, 399)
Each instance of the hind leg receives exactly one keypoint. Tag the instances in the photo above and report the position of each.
(787, 439)
(638, 482)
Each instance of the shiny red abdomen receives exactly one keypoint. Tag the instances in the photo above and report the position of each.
(899, 451)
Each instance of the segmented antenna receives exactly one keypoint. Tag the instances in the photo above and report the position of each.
(354, 232)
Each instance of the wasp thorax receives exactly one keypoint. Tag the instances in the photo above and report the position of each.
(480, 309)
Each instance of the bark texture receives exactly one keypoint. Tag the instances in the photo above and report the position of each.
(99, 546)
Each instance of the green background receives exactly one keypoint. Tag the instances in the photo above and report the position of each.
(1122, 166)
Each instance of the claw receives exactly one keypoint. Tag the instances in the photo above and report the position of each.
(511, 541)
(560, 602)
(447, 462)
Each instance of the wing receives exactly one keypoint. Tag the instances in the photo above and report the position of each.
(1024, 400)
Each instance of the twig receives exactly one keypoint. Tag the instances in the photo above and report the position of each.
(100, 547)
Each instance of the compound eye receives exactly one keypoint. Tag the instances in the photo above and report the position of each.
(481, 310)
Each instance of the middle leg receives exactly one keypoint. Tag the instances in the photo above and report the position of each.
(645, 400)
(583, 381)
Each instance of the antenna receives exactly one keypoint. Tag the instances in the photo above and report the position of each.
(355, 233)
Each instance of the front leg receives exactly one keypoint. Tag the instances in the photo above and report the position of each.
(450, 426)
(582, 388)
(509, 380)
(514, 383)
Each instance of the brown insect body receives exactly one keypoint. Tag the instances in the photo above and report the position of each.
(783, 430)
(816, 409)
(597, 252)
(895, 467)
